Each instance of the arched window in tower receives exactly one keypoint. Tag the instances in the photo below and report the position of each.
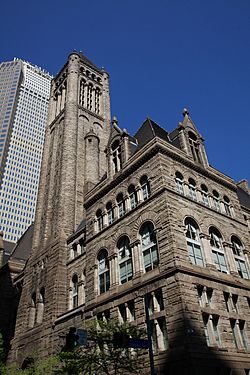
(97, 100)
(32, 312)
(149, 246)
(132, 196)
(145, 186)
(125, 260)
(103, 272)
(217, 250)
(99, 220)
(74, 291)
(121, 205)
(179, 183)
(204, 195)
(40, 306)
(216, 200)
(193, 242)
(194, 146)
(82, 99)
(110, 213)
(192, 189)
(89, 96)
(239, 258)
(116, 156)
(226, 203)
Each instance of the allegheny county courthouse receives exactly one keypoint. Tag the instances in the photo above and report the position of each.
(119, 217)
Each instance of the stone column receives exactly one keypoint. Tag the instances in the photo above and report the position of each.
(228, 249)
(136, 257)
(205, 241)
(139, 194)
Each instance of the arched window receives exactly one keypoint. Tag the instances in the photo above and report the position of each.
(32, 312)
(179, 183)
(226, 203)
(97, 100)
(103, 272)
(194, 146)
(145, 186)
(89, 96)
(149, 246)
(204, 195)
(82, 98)
(110, 212)
(125, 260)
(217, 250)
(239, 258)
(121, 205)
(116, 156)
(193, 242)
(74, 291)
(192, 189)
(40, 306)
(216, 200)
(99, 219)
(132, 196)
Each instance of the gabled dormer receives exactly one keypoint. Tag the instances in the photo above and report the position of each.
(189, 140)
(118, 149)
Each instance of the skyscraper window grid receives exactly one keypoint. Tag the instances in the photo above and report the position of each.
(24, 94)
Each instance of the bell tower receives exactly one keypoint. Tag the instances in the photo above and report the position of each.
(74, 160)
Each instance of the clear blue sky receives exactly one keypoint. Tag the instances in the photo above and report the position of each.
(162, 56)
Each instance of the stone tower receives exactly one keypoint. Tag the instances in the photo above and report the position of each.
(74, 160)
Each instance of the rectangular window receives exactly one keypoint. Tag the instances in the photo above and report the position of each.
(220, 261)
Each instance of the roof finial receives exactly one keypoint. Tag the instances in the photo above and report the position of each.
(114, 120)
(185, 112)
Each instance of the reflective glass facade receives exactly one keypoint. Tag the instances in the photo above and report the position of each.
(24, 95)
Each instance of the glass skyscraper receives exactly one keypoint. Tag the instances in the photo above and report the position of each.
(24, 95)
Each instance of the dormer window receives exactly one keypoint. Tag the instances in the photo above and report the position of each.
(194, 146)
(116, 156)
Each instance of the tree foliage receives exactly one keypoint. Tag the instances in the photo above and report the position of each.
(101, 356)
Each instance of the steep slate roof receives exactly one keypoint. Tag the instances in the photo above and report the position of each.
(23, 247)
(8, 247)
(148, 131)
(81, 225)
(244, 197)
(86, 61)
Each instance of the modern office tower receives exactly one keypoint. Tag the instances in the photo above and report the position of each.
(24, 95)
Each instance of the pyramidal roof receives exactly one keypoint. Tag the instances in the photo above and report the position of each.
(86, 61)
(148, 131)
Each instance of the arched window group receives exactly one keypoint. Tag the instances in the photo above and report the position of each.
(198, 251)
(36, 309)
(148, 255)
(89, 96)
(122, 204)
(77, 290)
(202, 195)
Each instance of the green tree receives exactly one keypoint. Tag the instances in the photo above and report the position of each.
(103, 355)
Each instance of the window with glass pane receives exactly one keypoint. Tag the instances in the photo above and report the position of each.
(125, 260)
(110, 213)
(193, 243)
(132, 196)
(216, 200)
(149, 246)
(103, 271)
(99, 218)
(204, 195)
(205, 325)
(116, 156)
(74, 291)
(239, 258)
(242, 324)
(121, 205)
(192, 189)
(145, 187)
(179, 183)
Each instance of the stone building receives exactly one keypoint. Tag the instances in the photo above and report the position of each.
(122, 217)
